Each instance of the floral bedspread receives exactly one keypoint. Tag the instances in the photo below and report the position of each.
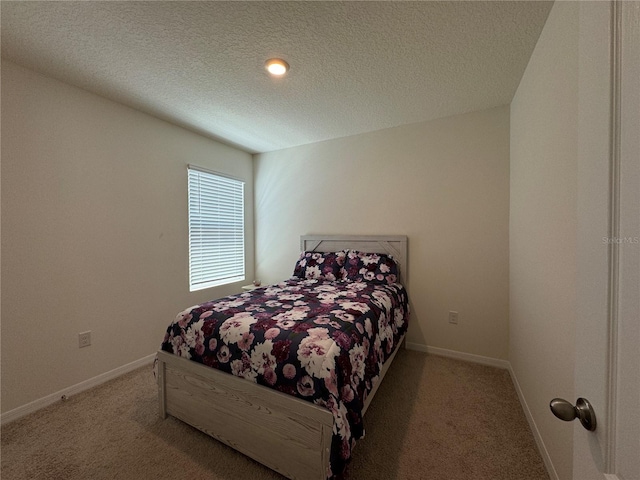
(320, 341)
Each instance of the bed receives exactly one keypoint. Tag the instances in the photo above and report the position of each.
(289, 391)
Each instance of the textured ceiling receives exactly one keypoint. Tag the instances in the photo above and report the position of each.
(355, 66)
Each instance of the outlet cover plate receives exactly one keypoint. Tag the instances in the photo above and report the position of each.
(84, 339)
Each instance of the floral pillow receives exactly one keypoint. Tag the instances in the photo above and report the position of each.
(370, 267)
(320, 265)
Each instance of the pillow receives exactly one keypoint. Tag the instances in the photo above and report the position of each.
(370, 267)
(320, 265)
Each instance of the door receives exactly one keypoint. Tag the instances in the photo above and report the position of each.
(607, 363)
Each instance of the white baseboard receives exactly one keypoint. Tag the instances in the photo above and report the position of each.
(31, 407)
(467, 357)
(544, 453)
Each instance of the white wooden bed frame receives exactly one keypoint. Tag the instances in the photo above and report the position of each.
(288, 435)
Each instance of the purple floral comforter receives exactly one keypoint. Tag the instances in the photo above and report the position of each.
(320, 341)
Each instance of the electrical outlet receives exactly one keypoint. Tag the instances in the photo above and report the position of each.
(453, 317)
(84, 339)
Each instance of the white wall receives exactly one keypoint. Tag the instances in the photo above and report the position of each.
(444, 183)
(543, 229)
(94, 231)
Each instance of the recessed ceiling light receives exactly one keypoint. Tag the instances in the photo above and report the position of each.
(277, 66)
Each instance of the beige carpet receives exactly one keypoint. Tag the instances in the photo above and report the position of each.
(433, 418)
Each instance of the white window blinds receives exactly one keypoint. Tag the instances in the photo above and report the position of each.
(216, 229)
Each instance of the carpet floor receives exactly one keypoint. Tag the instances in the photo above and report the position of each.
(432, 418)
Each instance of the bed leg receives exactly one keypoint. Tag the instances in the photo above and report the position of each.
(162, 396)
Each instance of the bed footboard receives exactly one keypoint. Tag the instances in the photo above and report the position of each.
(288, 435)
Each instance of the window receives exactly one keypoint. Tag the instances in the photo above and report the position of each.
(216, 229)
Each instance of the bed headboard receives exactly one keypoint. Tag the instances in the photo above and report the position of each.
(394, 245)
